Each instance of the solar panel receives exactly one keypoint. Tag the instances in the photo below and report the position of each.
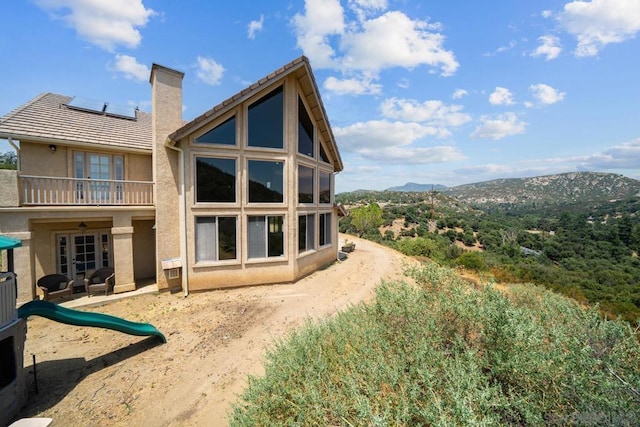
(125, 111)
(86, 104)
(101, 107)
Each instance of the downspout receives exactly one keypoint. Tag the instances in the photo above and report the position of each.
(183, 219)
(15, 147)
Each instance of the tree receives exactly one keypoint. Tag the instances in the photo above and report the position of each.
(367, 218)
(8, 160)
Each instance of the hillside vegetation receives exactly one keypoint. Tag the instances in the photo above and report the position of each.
(443, 353)
(587, 249)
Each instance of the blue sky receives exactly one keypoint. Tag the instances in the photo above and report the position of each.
(440, 92)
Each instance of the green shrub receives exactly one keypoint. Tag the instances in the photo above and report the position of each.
(443, 353)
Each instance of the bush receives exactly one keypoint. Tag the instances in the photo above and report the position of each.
(442, 353)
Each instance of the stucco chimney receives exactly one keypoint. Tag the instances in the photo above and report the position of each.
(166, 104)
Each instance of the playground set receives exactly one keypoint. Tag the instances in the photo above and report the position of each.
(13, 333)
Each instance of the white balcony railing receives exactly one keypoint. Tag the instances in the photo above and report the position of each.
(42, 190)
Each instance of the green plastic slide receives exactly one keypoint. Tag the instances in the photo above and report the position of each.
(83, 318)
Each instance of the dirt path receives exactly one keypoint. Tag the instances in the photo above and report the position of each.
(89, 376)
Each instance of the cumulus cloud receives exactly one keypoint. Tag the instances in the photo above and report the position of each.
(598, 23)
(106, 24)
(254, 27)
(352, 86)
(209, 71)
(549, 47)
(545, 94)
(322, 20)
(500, 126)
(501, 96)
(369, 43)
(132, 70)
(459, 93)
(378, 134)
(430, 112)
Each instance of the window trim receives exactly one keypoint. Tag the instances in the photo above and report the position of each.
(208, 263)
(247, 180)
(280, 258)
(313, 184)
(330, 215)
(194, 162)
(307, 231)
(255, 99)
(331, 192)
(219, 121)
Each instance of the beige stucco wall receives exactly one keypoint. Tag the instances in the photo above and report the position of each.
(244, 271)
(9, 195)
(144, 250)
(166, 100)
(37, 229)
(37, 159)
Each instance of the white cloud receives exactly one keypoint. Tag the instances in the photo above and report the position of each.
(501, 96)
(395, 40)
(104, 23)
(368, 137)
(501, 49)
(547, 14)
(209, 71)
(598, 23)
(545, 94)
(459, 93)
(498, 127)
(624, 156)
(549, 47)
(366, 44)
(254, 27)
(131, 68)
(322, 19)
(352, 86)
(431, 112)
(417, 155)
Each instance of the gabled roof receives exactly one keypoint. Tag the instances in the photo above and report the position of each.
(46, 118)
(301, 69)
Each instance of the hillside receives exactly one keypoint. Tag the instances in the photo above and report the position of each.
(562, 188)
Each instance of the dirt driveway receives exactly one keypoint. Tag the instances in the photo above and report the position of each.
(98, 377)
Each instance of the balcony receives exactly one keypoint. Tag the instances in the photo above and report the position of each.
(47, 191)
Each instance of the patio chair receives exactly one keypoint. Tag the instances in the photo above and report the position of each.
(54, 286)
(103, 279)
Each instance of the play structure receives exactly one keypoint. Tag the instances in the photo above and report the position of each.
(13, 333)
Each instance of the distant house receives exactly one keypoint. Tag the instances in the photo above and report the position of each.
(241, 195)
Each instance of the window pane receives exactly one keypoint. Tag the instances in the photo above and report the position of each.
(321, 236)
(206, 239)
(266, 121)
(276, 236)
(305, 184)
(224, 133)
(311, 230)
(323, 155)
(325, 188)
(266, 181)
(325, 229)
(215, 180)
(302, 233)
(305, 130)
(257, 237)
(226, 237)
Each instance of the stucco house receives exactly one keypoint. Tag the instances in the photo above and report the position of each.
(241, 195)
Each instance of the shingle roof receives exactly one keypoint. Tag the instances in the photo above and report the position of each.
(46, 118)
(302, 70)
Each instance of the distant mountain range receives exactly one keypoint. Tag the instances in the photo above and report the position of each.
(413, 187)
(561, 188)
